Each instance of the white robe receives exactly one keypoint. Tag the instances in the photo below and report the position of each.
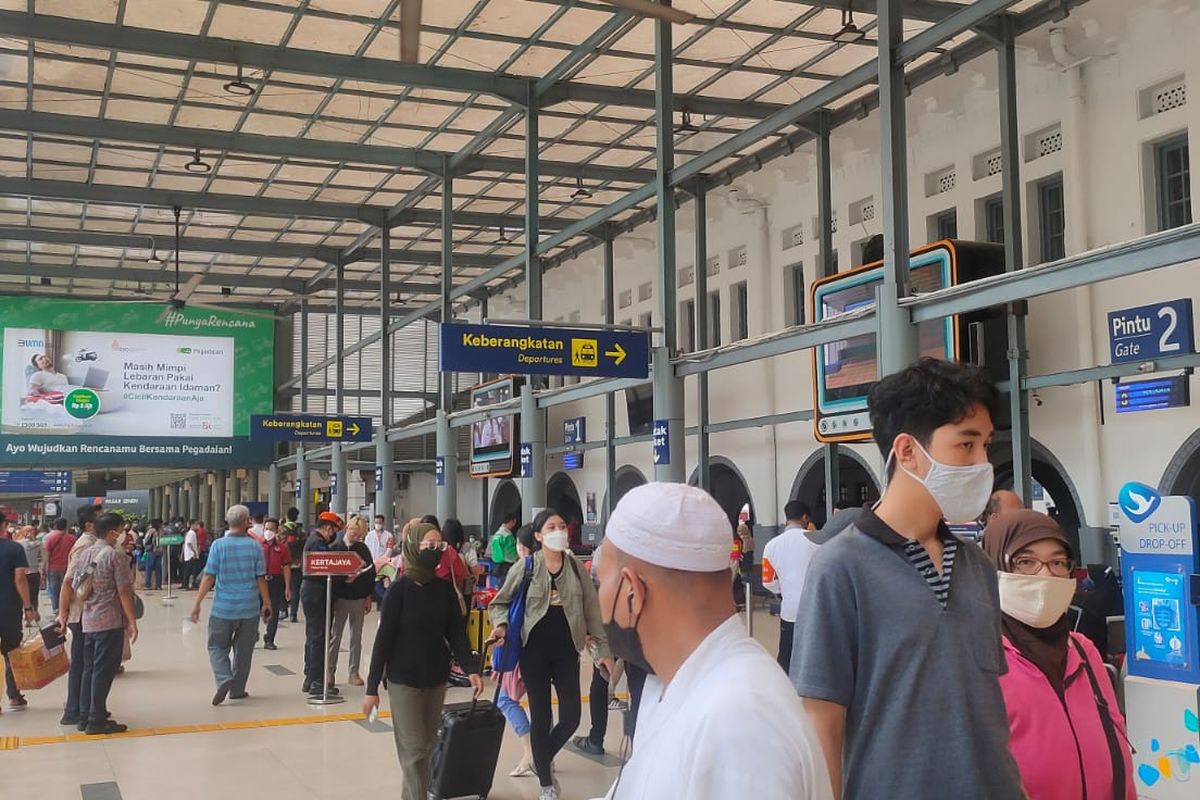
(729, 725)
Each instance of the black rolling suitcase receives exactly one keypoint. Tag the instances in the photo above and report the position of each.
(467, 750)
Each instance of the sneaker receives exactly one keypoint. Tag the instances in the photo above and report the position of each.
(585, 745)
(294, 619)
(269, 646)
(239, 696)
(69, 719)
(548, 793)
(19, 703)
(307, 688)
(523, 770)
(355, 680)
(221, 693)
(105, 728)
(617, 704)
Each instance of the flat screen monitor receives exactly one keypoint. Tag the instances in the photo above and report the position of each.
(639, 403)
(494, 440)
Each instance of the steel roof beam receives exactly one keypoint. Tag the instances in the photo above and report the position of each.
(257, 206)
(207, 49)
(641, 98)
(923, 10)
(399, 157)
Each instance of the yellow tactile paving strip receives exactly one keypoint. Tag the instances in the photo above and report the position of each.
(14, 742)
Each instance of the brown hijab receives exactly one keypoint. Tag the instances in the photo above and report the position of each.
(1004, 537)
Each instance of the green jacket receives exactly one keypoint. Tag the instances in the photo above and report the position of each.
(504, 546)
(580, 601)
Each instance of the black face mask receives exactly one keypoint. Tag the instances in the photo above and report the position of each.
(429, 558)
(625, 642)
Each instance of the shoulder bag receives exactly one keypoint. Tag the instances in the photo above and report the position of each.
(507, 657)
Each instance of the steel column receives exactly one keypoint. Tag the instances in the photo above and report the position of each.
(447, 493)
(701, 335)
(205, 497)
(337, 466)
(827, 267)
(1014, 260)
(274, 490)
(897, 337)
(177, 508)
(237, 489)
(384, 458)
(533, 419)
(610, 398)
(222, 504)
(253, 490)
(194, 507)
(668, 387)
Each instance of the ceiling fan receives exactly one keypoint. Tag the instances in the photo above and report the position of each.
(410, 21)
(183, 293)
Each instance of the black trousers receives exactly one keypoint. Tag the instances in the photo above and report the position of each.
(101, 657)
(598, 707)
(75, 676)
(277, 591)
(294, 606)
(549, 658)
(636, 677)
(10, 639)
(313, 600)
(786, 631)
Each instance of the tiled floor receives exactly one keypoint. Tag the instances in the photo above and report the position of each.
(291, 755)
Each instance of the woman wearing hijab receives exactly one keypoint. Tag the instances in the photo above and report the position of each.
(1067, 733)
(562, 615)
(419, 628)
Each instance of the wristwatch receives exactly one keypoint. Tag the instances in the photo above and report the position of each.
(29, 608)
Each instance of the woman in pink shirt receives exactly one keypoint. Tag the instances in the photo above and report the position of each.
(1067, 733)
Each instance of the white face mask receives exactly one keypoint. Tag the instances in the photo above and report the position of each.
(379, 527)
(555, 540)
(1037, 600)
(269, 535)
(961, 492)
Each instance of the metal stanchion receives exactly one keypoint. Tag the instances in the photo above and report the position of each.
(325, 699)
(749, 605)
(169, 597)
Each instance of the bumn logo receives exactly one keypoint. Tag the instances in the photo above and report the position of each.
(1138, 501)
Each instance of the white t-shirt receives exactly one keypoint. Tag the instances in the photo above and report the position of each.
(191, 545)
(687, 749)
(785, 566)
(379, 543)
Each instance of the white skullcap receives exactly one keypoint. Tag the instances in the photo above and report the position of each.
(672, 525)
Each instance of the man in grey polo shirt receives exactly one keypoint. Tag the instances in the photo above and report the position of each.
(898, 655)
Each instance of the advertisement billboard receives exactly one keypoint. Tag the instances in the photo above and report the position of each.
(106, 383)
(492, 438)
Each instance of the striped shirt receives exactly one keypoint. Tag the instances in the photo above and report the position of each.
(236, 562)
(918, 556)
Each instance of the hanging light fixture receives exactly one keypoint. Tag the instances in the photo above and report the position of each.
(850, 33)
(154, 257)
(503, 237)
(198, 165)
(686, 126)
(238, 87)
(581, 192)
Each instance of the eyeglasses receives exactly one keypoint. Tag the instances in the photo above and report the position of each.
(1028, 565)
(433, 545)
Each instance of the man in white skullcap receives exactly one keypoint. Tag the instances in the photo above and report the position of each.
(666, 605)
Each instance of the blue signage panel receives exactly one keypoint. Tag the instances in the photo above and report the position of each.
(297, 490)
(379, 479)
(1154, 394)
(309, 428)
(526, 460)
(575, 430)
(333, 484)
(524, 350)
(35, 481)
(662, 442)
(439, 471)
(1159, 556)
(572, 461)
(1149, 332)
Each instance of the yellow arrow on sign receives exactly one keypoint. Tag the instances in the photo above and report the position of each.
(617, 353)
(354, 429)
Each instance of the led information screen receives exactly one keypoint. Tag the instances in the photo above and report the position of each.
(34, 482)
(1161, 632)
(492, 439)
(1152, 395)
(86, 383)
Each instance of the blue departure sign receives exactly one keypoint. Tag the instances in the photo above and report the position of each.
(526, 467)
(35, 482)
(1149, 332)
(1152, 395)
(572, 461)
(575, 430)
(309, 428)
(439, 471)
(662, 442)
(524, 350)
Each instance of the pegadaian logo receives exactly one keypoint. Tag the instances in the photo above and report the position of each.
(177, 319)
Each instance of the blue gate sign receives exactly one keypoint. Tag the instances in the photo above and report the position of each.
(309, 428)
(1149, 332)
(526, 460)
(333, 484)
(525, 350)
(662, 442)
(439, 471)
(575, 430)
(379, 479)
(35, 481)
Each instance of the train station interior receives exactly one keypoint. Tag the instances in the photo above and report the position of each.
(479, 258)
